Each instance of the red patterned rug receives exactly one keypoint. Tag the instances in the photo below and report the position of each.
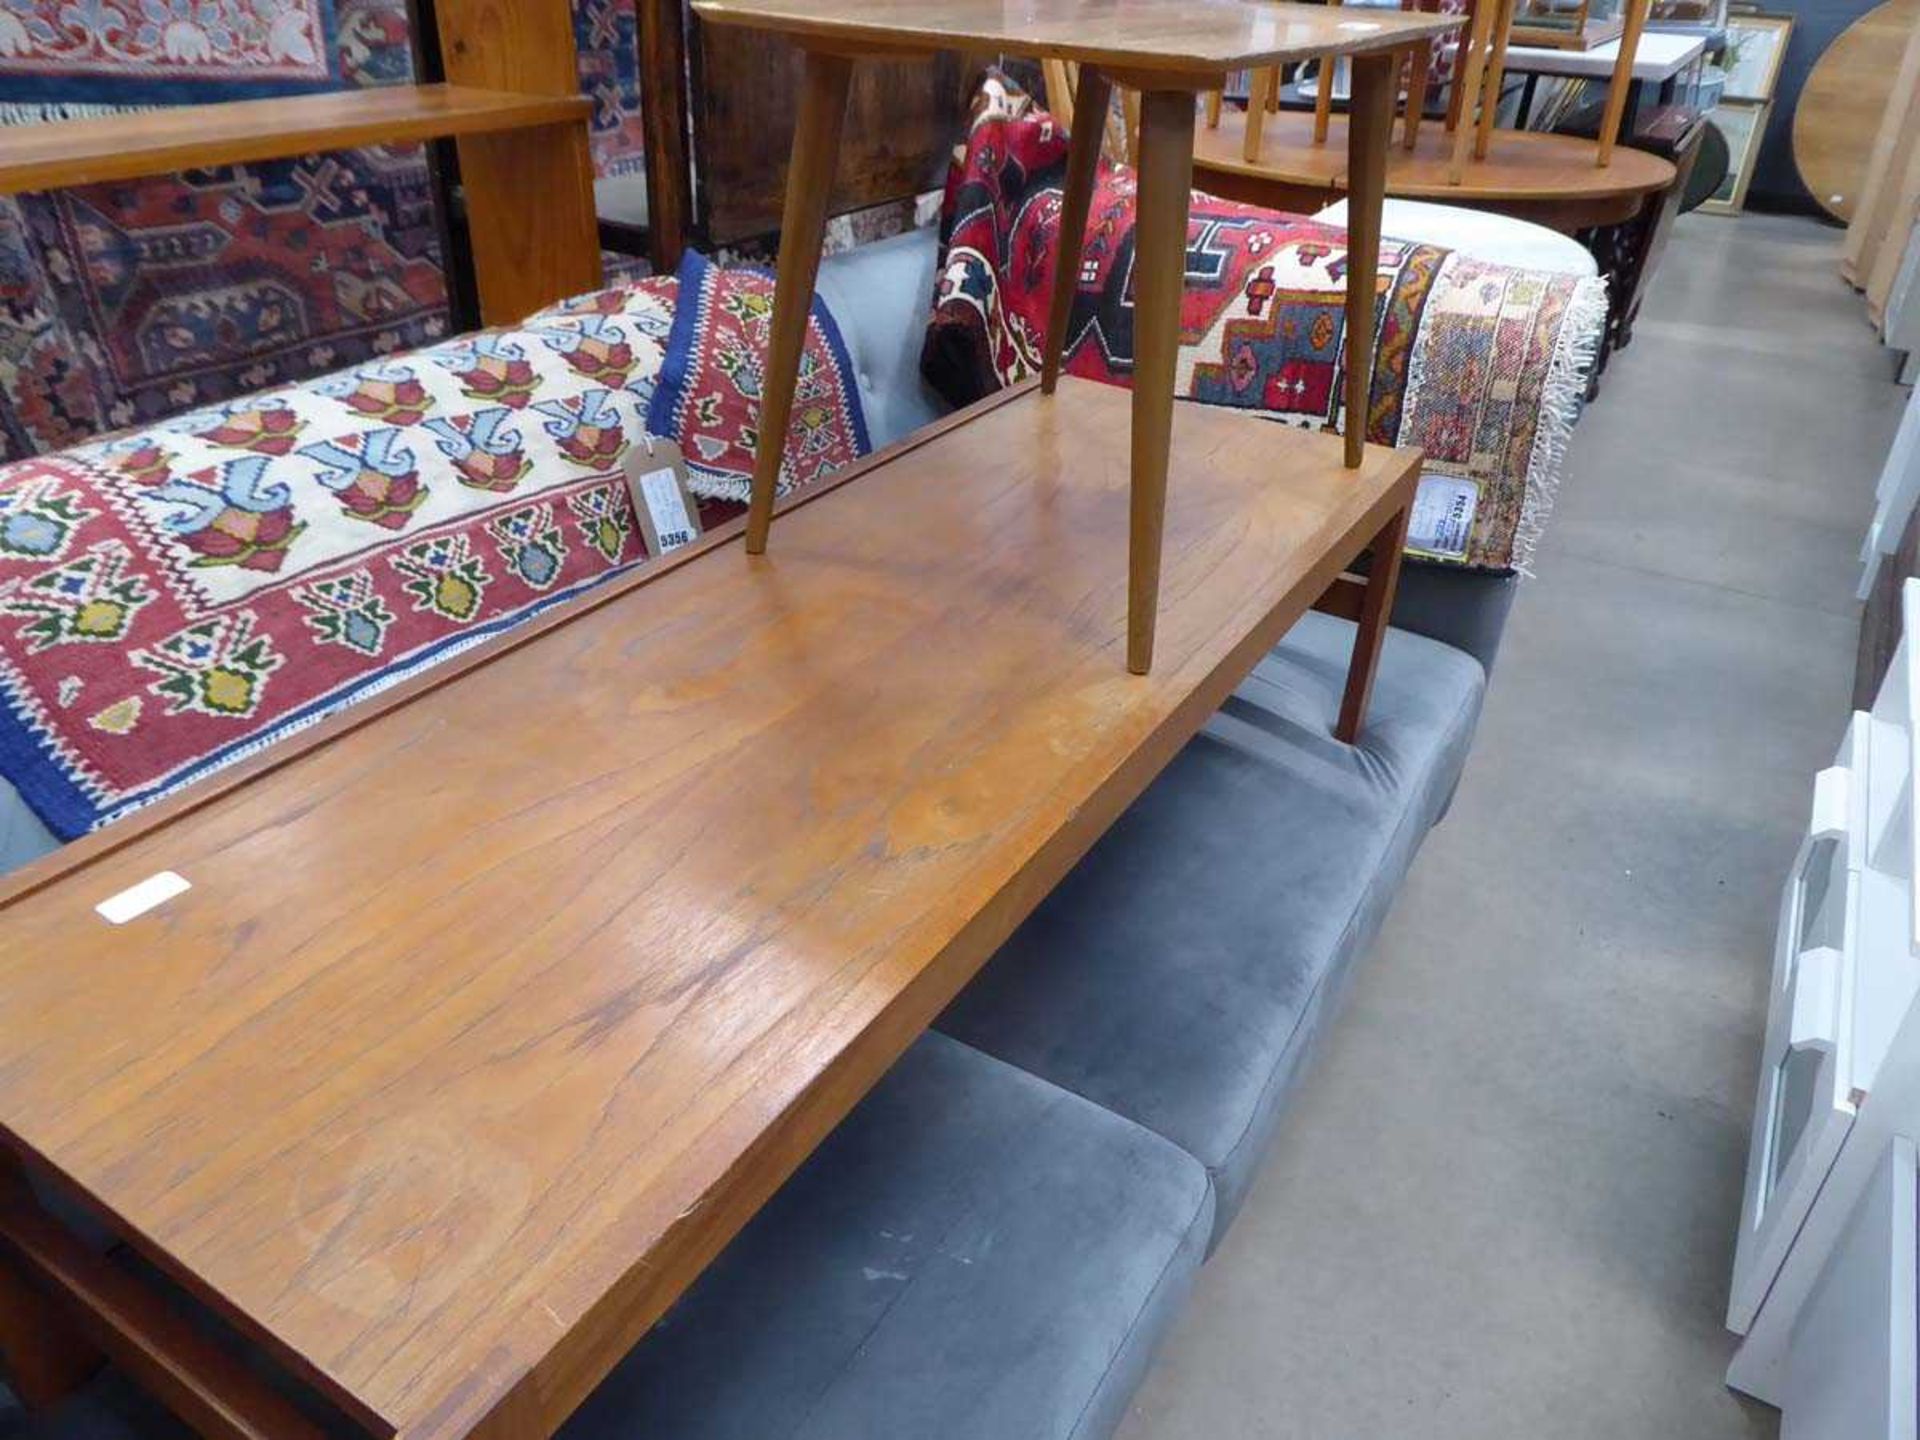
(1481, 366)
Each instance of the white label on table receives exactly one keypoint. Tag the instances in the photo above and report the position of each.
(136, 900)
(1442, 520)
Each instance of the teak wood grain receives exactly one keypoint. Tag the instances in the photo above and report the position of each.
(1191, 39)
(155, 142)
(486, 1024)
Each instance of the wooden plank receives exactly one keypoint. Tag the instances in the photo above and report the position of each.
(903, 117)
(531, 215)
(156, 142)
(530, 209)
(521, 45)
(485, 1025)
(1191, 39)
(204, 1385)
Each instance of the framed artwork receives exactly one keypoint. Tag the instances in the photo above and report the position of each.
(1741, 126)
(1756, 48)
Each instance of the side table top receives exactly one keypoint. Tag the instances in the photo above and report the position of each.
(1173, 36)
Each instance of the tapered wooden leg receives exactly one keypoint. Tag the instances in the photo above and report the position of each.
(1159, 275)
(1369, 133)
(1420, 68)
(803, 224)
(1376, 607)
(1323, 100)
(1083, 163)
(1622, 80)
(1273, 89)
(1265, 82)
(1213, 109)
(1058, 81)
(1496, 78)
(1468, 88)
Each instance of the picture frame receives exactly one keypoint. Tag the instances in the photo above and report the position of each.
(1743, 126)
(1756, 49)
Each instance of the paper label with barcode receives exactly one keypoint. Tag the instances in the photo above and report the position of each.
(1442, 520)
(667, 508)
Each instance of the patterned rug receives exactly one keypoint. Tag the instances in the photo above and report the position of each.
(174, 599)
(1481, 366)
(123, 303)
(606, 34)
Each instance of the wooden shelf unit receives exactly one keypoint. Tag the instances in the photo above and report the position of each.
(157, 142)
(509, 100)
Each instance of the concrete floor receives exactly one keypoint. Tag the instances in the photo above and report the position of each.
(1504, 1203)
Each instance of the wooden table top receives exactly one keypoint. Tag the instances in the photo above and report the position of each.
(487, 1021)
(1211, 36)
(1520, 164)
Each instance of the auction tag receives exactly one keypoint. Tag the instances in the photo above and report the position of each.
(1442, 520)
(668, 515)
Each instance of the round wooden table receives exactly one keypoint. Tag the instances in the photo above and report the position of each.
(1549, 179)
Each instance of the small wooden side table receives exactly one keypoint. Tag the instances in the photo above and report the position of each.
(1169, 50)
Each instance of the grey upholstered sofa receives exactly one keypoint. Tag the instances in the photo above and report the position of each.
(993, 1242)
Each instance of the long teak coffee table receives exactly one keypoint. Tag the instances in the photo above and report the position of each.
(495, 1009)
(1169, 50)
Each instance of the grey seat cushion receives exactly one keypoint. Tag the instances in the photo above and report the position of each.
(974, 1253)
(1180, 973)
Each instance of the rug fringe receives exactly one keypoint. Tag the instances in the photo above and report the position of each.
(1563, 396)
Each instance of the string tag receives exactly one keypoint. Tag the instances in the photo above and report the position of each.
(657, 480)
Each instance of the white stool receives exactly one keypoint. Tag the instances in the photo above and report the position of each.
(1479, 233)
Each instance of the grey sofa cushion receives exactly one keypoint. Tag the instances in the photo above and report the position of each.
(974, 1253)
(1180, 973)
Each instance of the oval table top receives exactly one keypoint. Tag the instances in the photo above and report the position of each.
(1551, 179)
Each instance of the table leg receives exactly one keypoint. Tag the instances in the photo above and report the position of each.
(1468, 89)
(1527, 91)
(1420, 68)
(803, 223)
(1083, 164)
(1159, 276)
(1622, 81)
(1369, 132)
(42, 1352)
(1376, 607)
(1323, 95)
(1496, 78)
(1265, 83)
